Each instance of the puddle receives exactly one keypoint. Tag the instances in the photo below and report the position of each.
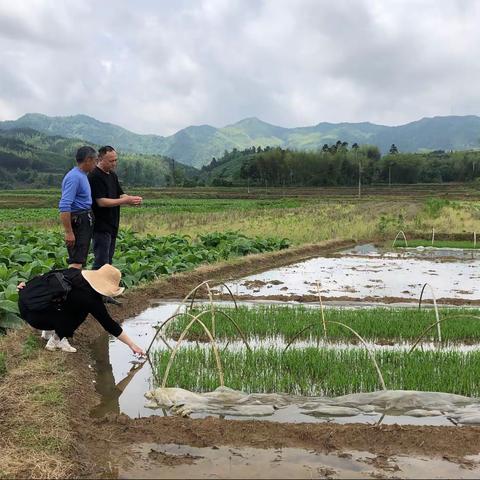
(122, 387)
(150, 460)
(366, 272)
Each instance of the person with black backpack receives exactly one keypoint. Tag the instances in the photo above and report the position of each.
(59, 301)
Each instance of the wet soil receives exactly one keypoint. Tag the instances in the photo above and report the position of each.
(101, 442)
(179, 285)
(248, 462)
(348, 299)
(384, 439)
(450, 443)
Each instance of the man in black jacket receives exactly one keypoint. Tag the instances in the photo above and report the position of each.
(107, 196)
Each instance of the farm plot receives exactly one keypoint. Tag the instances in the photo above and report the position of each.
(319, 365)
(307, 351)
(314, 370)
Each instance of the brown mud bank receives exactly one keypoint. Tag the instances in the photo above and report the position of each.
(349, 300)
(453, 442)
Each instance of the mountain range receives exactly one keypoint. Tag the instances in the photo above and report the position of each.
(196, 145)
(30, 158)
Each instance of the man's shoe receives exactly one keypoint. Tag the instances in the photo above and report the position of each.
(65, 346)
(52, 343)
(46, 334)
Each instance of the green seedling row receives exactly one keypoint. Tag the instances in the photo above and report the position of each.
(375, 324)
(328, 372)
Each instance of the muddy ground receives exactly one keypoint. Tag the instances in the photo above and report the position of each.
(98, 444)
(346, 299)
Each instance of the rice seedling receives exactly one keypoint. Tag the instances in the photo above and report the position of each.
(312, 371)
(195, 319)
(375, 324)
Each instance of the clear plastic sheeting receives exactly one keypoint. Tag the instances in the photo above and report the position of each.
(225, 401)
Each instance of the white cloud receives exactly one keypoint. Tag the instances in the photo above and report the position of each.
(156, 67)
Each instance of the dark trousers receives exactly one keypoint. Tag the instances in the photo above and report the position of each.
(103, 248)
(82, 226)
(52, 319)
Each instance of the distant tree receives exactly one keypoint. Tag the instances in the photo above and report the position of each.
(393, 149)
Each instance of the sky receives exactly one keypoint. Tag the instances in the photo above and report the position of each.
(157, 66)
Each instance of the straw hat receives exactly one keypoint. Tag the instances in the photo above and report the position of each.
(105, 280)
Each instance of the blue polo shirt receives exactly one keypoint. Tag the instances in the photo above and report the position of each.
(76, 193)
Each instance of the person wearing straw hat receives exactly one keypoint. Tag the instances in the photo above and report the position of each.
(86, 289)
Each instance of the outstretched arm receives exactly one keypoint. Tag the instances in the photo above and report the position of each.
(123, 200)
(123, 337)
(99, 311)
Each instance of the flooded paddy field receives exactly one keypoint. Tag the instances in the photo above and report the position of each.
(307, 381)
(369, 273)
(288, 362)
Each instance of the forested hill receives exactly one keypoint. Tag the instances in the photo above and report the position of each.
(29, 158)
(196, 145)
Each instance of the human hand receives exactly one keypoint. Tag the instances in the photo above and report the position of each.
(135, 200)
(137, 350)
(20, 286)
(69, 239)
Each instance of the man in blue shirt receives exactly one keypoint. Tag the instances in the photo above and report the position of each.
(76, 207)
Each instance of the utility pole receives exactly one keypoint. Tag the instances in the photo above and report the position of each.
(173, 171)
(359, 177)
(357, 159)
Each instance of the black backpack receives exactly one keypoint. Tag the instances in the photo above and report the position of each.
(49, 289)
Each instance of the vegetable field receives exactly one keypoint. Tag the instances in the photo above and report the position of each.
(25, 253)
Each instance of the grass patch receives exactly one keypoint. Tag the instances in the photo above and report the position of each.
(3, 364)
(31, 345)
(48, 395)
(398, 324)
(330, 372)
(36, 437)
(33, 436)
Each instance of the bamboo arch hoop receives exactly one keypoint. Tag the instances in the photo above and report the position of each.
(404, 237)
(437, 314)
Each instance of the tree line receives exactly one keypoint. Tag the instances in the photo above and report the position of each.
(341, 164)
